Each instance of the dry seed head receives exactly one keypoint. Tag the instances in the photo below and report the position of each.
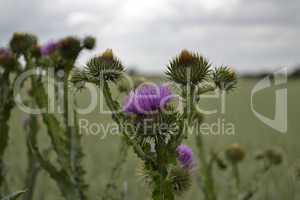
(186, 57)
(235, 153)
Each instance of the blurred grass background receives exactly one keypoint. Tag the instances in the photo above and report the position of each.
(249, 131)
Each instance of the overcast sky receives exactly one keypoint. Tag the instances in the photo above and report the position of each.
(248, 35)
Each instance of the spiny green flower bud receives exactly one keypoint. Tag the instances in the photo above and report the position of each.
(104, 67)
(69, 47)
(235, 153)
(180, 180)
(89, 42)
(224, 78)
(21, 43)
(274, 156)
(188, 68)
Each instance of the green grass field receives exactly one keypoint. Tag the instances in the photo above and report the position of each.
(249, 131)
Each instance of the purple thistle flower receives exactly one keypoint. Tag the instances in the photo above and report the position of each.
(5, 53)
(185, 156)
(49, 48)
(147, 99)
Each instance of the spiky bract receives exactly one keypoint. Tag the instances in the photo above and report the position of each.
(188, 68)
(21, 43)
(224, 78)
(180, 180)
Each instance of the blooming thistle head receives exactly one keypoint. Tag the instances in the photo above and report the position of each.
(49, 48)
(185, 156)
(188, 68)
(147, 99)
(70, 47)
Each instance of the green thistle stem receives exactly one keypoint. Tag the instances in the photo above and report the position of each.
(118, 117)
(33, 167)
(236, 175)
(64, 178)
(73, 138)
(206, 169)
(162, 187)
(111, 189)
(6, 106)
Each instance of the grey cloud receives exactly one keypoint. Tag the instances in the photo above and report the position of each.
(248, 35)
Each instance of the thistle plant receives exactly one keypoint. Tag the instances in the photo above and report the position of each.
(65, 139)
(8, 68)
(195, 76)
(142, 118)
(153, 119)
(11, 69)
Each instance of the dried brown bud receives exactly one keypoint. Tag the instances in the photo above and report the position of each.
(274, 156)
(235, 153)
(186, 57)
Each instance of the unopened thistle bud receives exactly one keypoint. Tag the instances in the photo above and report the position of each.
(188, 68)
(235, 153)
(180, 180)
(21, 43)
(224, 78)
(105, 67)
(89, 42)
(274, 156)
(70, 47)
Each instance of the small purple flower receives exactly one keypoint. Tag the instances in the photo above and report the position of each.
(5, 53)
(49, 48)
(185, 156)
(147, 99)
(6, 57)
